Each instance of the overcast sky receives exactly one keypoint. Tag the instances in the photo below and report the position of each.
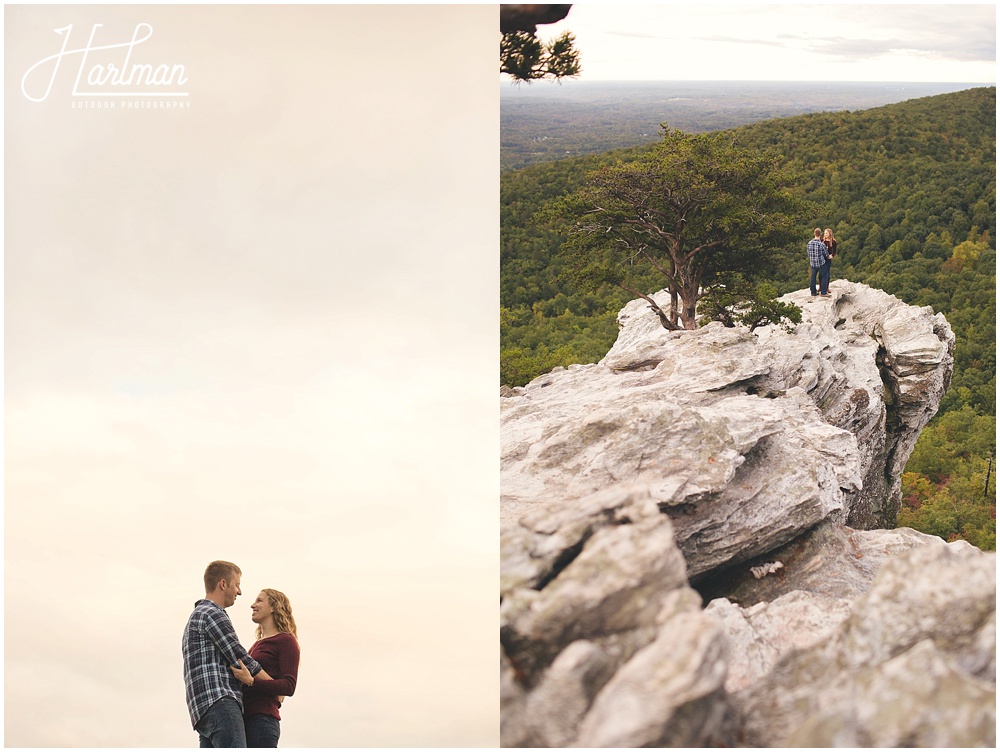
(788, 42)
(261, 329)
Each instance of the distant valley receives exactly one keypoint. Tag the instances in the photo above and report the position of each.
(545, 121)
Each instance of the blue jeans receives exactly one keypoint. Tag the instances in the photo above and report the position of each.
(222, 725)
(262, 730)
(823, 272)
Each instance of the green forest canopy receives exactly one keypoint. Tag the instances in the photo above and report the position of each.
(910, 191)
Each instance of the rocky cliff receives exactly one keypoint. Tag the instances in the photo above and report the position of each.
(692, 551)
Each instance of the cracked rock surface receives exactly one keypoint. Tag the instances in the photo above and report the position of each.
(745, 439)
(690, 458)
(603, 641)
(913, 664)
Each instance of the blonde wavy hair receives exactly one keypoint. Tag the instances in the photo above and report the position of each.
(281, 612)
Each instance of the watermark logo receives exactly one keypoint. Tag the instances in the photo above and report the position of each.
(106, 70)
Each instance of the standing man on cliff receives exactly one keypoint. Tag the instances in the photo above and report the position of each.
(819, 265)
(210, 646)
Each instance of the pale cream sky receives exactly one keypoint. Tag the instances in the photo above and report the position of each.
(260, 328)
(792, 41)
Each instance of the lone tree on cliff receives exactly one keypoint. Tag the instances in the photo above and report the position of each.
(709, 217)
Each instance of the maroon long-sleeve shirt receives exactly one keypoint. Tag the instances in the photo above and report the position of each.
(279, 656)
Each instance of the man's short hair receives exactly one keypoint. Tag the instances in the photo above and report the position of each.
(219, 570)
(817, 233)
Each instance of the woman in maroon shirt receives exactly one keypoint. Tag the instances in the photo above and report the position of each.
(277, 651)
(830, 242)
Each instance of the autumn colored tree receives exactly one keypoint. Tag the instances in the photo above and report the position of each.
(697, 209)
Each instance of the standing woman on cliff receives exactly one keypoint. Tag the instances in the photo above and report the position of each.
(277, 650)
(830, 242)
(831, 248)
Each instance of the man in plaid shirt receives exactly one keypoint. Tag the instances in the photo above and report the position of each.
(819, 265)
(210, 646)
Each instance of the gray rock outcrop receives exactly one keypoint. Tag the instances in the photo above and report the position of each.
(604, 644)
(745, 439)
(875, 367)
(914, 664)
(745, 464)
(824, 573)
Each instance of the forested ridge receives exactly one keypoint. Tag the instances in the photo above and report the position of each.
(910, 192)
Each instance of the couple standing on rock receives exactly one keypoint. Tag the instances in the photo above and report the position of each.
(821, 249)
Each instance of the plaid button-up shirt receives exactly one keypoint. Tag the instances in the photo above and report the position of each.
(210, 646)
(818, 255)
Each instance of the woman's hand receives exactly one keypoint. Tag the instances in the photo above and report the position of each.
(243, 674)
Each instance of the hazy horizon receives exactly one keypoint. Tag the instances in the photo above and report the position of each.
(566, 86)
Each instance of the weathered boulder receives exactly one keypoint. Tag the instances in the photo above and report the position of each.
(738, 472)
(593, 596)
(913, 665)
(598, 569)
(760, 635)
(904, 657)
(802, 603)
(741, 462)
(830, 560)
(670, 694)
(875, 367)
(746, 440)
